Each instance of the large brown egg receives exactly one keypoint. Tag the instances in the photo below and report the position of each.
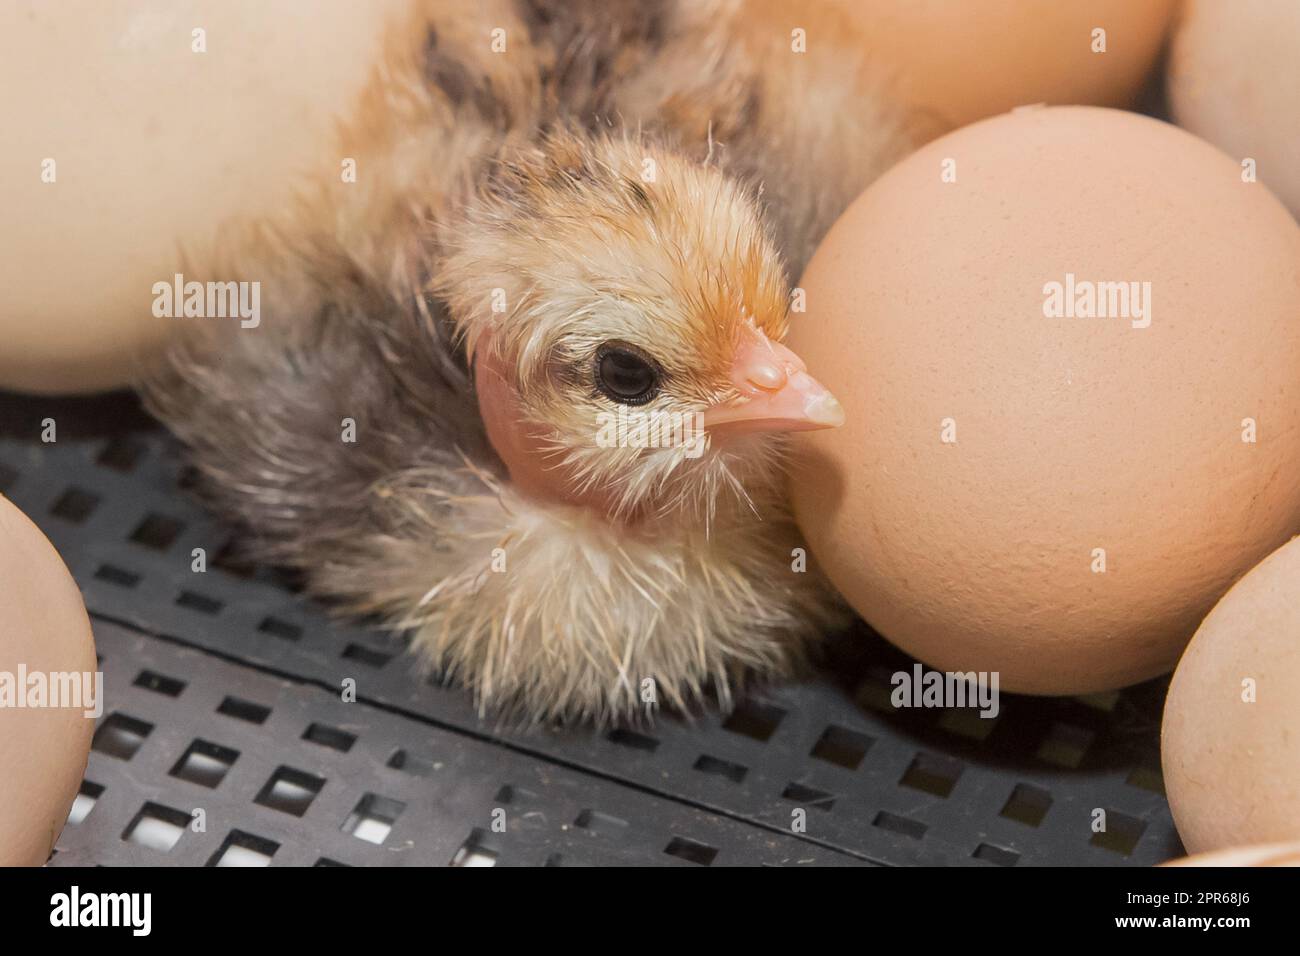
(1234, 78)
(1230, 743)
(134, 132)
(1057, 497)
(47, 666)
(1269, 855)
(953, 62)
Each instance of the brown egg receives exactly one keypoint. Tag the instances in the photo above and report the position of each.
(1273, 854)
(1234, 78)
(1230, 743)
(1059, 499)
(126, 150)
(45, 641)
(955, 61)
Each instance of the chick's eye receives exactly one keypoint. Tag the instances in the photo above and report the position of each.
(625, 374)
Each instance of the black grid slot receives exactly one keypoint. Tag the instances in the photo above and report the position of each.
(157, 532)
(366, 655)
(933, 774)
(723, 768)
(244, 849)
(237, 711)
(691, 851)
(475, 851)
(373, 818)
(1121, 834)
(808, 796)
(117, 576)
(198, 602)
(121, 736)
(75, 505)
(1065, 746)
(999, 856)
(160, 683)
(157, 827)
(205, 763)
(285, 630)
(1027, 805)
(330, 737)
(899, 824)
(290, 791)
(122, 453)
(87, 796)
(244, 710)
(755, 719)
(843, 747)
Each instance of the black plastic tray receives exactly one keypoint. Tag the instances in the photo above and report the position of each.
(224, 694)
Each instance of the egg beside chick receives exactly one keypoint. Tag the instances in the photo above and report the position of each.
(1059, 495)
(49, 693)
(1230, 741)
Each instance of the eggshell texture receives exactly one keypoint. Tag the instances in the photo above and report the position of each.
(1234, 79)
(1273, 854)
(1077, 440)
(43, 750)
(955, 61)
(154, 146)
(1232, 764)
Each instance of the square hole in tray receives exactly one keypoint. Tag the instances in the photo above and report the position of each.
(366, 655)
(1065, 745)
(157, 532)
(755, 719)
(846, 748)
(157, 827)
(475, 851)
(198, 602)
(896, 824)
(373, 818)
(75, 505)
(244, 710)
(692, 851)
(121, 577)
(721, 768)
(121, 453)
(808, 796)
(932, 773)
(159, 683)
(87, 796)
(996, 855)
(1121, 835)
(331, 737)
(290, 791)
(244, 849)
(205, 763)
(602, 824)
(1027, 805)
(630, 738)
(285, 630)
(120, 736)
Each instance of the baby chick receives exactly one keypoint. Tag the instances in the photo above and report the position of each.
(422, 423)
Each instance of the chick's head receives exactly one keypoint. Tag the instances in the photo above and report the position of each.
(623, 308)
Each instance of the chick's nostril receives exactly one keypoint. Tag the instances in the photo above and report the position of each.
(766, 375)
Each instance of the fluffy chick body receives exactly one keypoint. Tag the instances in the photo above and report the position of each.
(545, 609)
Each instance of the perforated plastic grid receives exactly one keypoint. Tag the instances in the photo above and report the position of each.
(427, 778)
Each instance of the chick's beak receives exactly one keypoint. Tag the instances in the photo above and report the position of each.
(776, 392)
